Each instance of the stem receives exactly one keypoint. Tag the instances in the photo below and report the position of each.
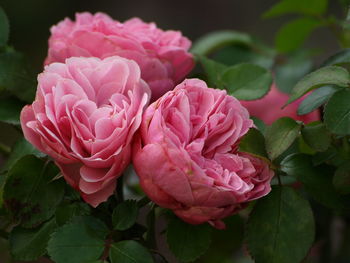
(345, 144)
(279, 180)
(120, 189)
(151, 238)
(143, 201)
(4, 149)
(108, 244)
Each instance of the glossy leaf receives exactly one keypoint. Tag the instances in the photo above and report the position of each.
(14, 76)
(316, 99)
(66, 211)
(237, 54)
(125, 215)
(316, 136)
(225, 242)
(213, 70)
(337, 113)
(280, 135)
(21, 148)
(247, 81)
(253, 142)
(129, 251)
(280, 221)
(30, 193)
(10, 110)
(338, 58)
(288, 74)
(292, 35)
(331, 75)
(218, 39)
(30, 244)
(309, 7)
(316, 179)
(186, 241)
(81, 240)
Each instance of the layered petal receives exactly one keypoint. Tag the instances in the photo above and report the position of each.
(162, 55)
(84, 116)
(186, 154)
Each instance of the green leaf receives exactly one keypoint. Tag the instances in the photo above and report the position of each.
(10, 110)
(296, 67)
(14, 76)
(316, 136)
(331, 75)
(316, 99)
(247, 81)
(213, 70)
(280, 135)
(79, 241)
(30, 244)
(341, 179)
(30, 193)
(4, 28)
(326, 156)
(259, 124)
(253, 142)
(338, 58)
(129, 251)
(337, 113)
(21, 148)
(66, 211)
(125, 215)
(292, 35)
(309, 7)
(236, 54)
(225, 242)
(188, 242)
(316, 179)
(279, 222)
(218, 39)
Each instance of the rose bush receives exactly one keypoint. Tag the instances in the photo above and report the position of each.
(84, 116)
(269, 108)
(162, 55)
(187, 157)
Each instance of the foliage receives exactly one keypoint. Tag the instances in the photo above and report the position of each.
(41, 216)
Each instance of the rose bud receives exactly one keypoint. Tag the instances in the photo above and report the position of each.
(84, 116)
(162, 55)
(269, 108)
(186, 154)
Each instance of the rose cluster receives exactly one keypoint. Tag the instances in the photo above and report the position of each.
(91, 115)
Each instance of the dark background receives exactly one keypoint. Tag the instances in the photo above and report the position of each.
(31, 19)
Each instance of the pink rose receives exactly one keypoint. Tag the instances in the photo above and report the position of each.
(186, 154)
(162, 55)
(84, 116)
(269, 108)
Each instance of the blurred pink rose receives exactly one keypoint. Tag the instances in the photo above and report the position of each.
(162, 55)
(269, 108)
(186, 154)
(84, 116)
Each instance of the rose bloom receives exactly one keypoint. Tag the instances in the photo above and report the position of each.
(162, 55)
(186, 154)
(84, 116)
(269, 108)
